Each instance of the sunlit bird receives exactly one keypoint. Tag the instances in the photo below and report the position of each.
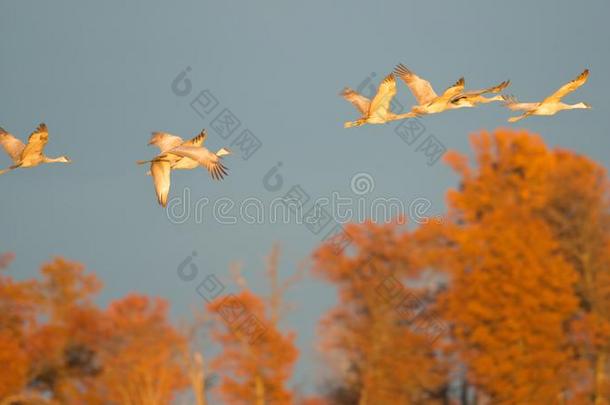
(427, 99)
(177, 154)
(376, 111)
(550, 105)
(472, 98)
(29, 155)
(166, 141)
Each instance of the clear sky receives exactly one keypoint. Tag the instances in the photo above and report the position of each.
(100, 75)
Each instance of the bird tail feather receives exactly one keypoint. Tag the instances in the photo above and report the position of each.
(223, 152)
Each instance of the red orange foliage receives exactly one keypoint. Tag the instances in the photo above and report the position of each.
(255, 368)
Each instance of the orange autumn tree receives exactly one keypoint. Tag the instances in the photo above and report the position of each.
(142, 355)
(63, 344)
(578, 213)
(512, 247)
(57, 346)
(374, 337)
(17, 315)
(257, 358)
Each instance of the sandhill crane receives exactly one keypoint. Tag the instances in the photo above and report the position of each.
(178, 154)
(166, 141)
(29, 155)
(550, 105)
(428, 101)
(376, 111)
(473, 97)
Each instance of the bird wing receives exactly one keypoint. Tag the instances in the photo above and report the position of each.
(11, 145)
(476, 93)
(361, 103)
(184, 163)
(421, 89)
(165, 141)
(36, 142)
(160, 171)
(568, 87)
(385, 94)
(205, 158)
(511, 103)
(454, 90)
(198, 140)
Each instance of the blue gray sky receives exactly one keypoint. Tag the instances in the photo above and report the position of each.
(100, 75)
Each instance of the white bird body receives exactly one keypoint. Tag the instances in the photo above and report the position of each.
(550, 105)
(428, 101)
(30, 155)
(474, 97)
(177, 154)
(473, 101)
(377, 110)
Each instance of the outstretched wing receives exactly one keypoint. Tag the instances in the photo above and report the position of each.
(36, 142)
(454, 90)
(165, 141)
(11, 145)
(476, 93)
(511, 103)
(385, 93)
(568, 88)
(205, 158)
(160, 171)
(421, 89)
(361, 103)
(198, 140)
(498, 88)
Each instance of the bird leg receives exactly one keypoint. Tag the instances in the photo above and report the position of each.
(357, 123)
(13, 167)
(143, 162)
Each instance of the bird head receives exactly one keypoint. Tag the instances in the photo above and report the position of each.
(154, 139)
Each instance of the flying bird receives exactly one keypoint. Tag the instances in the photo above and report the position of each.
(29, 155)
(376, 111)
(177, 154)
(427, 99)
(473, 97)
(166, 141)
(550, 105)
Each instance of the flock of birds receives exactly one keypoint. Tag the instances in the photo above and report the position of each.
(175, 154)
(178, 154)
(378, 111)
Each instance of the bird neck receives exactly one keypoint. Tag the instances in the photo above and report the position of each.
(60, 159)
(576, 106)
